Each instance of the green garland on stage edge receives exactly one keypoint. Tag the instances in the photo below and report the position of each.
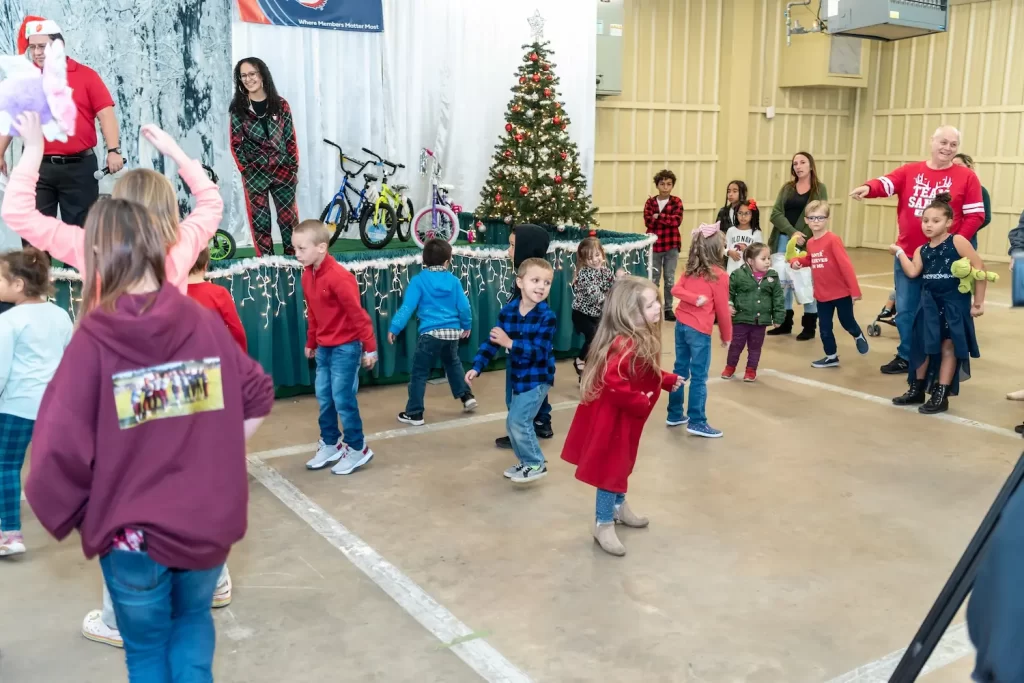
(268, 294)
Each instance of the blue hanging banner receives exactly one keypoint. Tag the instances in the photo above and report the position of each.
(336, 15)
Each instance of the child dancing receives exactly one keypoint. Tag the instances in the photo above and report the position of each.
(757, 301)
(703, 294)
(620, 387)
(943, 340)
(590, 287)
(217, 299)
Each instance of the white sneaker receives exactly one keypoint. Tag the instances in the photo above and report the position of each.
(326, 455)
(95, 630)
(11, 545)
(222, 594)
(352, 460)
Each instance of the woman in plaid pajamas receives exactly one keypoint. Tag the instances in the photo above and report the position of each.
(33, 334)
(264, 146)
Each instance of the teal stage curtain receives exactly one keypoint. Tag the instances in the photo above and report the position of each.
(268, 295)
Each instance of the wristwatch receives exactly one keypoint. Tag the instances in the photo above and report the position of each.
(115, 150)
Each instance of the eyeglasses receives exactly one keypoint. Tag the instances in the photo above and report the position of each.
(252, 76)
(815, 219)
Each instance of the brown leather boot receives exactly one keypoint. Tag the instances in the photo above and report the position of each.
(626, 516)
(605, 536)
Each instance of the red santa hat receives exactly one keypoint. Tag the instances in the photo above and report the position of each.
(35, 26)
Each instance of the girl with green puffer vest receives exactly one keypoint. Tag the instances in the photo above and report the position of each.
(757, 301)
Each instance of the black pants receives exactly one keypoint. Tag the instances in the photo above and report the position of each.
(70, 186)
(844, 307)
(587, 326)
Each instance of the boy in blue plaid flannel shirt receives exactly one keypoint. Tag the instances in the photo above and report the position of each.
(526, 329)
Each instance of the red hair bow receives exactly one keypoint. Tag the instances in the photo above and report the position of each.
(752, 205)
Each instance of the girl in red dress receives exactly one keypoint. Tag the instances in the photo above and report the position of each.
(621, 384)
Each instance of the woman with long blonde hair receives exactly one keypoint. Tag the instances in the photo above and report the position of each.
(621, 383)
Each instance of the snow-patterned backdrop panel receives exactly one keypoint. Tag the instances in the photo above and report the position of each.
(164, 61)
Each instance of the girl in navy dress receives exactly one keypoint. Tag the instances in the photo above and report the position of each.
(943, 340)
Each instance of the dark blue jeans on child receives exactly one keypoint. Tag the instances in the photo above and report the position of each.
(337, 381)
(428, 348)
(164, 617)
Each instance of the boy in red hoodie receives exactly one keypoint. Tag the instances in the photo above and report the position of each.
(341, 338)
(215, 297)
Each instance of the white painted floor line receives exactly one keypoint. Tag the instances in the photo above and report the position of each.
(988, 302)
(407, 431)
(955, 645)
(887, 402)
(477, 653)
(888, 272)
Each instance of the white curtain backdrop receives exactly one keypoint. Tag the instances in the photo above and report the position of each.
(439, 76)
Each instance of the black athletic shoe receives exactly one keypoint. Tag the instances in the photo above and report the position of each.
(414, 419)
(670, 316)
(897, 366)
(503, 442)
(543, 430)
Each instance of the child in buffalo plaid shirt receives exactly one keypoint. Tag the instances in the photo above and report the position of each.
(663, 214)
(526, 330)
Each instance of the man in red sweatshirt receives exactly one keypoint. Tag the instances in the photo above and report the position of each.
(915, 185)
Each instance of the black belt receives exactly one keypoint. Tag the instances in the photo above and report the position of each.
(67, 158)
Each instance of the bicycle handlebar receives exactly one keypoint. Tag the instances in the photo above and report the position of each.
(342, 159)
(384, 161)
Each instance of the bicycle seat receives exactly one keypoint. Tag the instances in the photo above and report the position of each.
(399, 188)
(446, 187)
(370, 178)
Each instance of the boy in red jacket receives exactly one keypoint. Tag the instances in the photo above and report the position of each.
(215, 297)
(835, 282)
(341, 338)
(662, 215)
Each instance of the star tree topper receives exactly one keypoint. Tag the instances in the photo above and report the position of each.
(536, 23)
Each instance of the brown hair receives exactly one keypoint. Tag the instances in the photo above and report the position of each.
(967, 159)
(754, 250)
(589, 247)
(941, 202)
(122, 247)
(814, 173)
(665, 174)
(31, 267)
(436, 252)
(320, 233)
(154, 191)
(534, 263)
(705, 256)
(202, 262)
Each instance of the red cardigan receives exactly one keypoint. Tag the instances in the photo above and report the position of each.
(605, 433)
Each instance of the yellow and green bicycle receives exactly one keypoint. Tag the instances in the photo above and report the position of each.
(392, 210)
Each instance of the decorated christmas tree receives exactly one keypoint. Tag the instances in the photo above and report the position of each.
(535, 175)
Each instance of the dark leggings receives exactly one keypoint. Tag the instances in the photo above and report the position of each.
(844, 307)
(587, 326)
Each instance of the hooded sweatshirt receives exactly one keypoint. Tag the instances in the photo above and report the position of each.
(178, 474)
(532, 241)
(439, 301)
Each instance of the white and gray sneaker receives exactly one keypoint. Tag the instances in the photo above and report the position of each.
(352, 460)
(514, 470)
(529, 474)
(326, 455)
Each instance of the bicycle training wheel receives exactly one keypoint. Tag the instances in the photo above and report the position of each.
(222, 246)
(438, 221)
(377, 225)
(405, 216)
(333, 217)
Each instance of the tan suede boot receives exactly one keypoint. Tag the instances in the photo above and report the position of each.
(605, 536)
(626, 516)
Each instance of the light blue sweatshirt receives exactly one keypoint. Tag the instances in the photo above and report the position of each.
(32, 341)
(437, 298)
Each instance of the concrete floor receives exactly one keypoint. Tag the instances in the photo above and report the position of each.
(808, 542)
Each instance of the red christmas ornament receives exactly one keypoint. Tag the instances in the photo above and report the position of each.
(550, 77)
(536, 78)
(515, 108)
(534, 56)
(564, 126)
(519, 137)
(508, 127)
(558, 105)
(508, 154)
(558, 180)
(547, 92)
(522, 79)
(557, 120)
(524, 190)
(564, 155)
(497, 197)
(545, 66)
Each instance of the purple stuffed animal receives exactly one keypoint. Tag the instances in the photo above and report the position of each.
(46, 92)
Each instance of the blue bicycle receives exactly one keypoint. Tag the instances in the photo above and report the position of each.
(340, 211)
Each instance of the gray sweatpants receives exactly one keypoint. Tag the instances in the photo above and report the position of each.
(664, 265)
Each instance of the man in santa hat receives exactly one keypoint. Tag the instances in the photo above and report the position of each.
(66, 177)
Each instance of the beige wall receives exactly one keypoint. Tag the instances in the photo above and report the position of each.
(696, 104)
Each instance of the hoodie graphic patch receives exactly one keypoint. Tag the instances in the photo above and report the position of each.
(169, 390)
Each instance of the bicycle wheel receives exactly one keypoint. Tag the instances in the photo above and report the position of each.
(377, 225)
(405, 216)
(222, 246)
(438, 221)
(333, 217)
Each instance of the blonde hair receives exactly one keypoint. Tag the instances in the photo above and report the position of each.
(534, 263)
(705, 257)
(818, 205)
(154, 191)
(587, 249)
(319, 232)
(623, 325)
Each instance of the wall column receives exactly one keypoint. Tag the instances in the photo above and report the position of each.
(737, 76)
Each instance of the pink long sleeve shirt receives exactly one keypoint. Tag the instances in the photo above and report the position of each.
(66, 242)
(702, 318)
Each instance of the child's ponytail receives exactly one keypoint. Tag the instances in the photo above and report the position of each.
(32, 267)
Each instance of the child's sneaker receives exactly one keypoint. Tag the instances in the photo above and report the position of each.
(468, 402)
(705, 430)
(95, 630)
(352, 460)
(513, 471)
(326, 455)
(11, 544)
(862, 345)
(728, 372)
(750, 375)
(677, 423)
(826, 362)
(414, 419)
(529, 474)
(222, 594)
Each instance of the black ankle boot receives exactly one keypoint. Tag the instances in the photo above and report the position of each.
(809, 322)
(785, 328)
(914, 395)
(938, 402)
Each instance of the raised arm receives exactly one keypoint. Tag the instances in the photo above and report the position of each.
(883, 186)
(912, 267)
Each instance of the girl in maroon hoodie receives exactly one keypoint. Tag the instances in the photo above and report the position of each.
(162, 524)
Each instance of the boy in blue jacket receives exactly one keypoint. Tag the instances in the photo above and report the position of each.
(437, 298)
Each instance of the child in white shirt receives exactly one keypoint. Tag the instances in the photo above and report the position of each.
(746, 232)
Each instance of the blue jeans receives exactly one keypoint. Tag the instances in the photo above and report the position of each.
(337, 381)
(164, 618)
(844, 307)
(607, 501)
(521, 413)
(427, 350)
(787, 284)
(908, 300)
(693, 360)
(543, 416)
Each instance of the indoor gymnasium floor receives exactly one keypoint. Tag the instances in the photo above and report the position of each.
(804, 547)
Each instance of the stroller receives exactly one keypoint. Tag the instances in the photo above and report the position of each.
(887, 315)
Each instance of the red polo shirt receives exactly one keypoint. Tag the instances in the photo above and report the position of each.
(91, 96)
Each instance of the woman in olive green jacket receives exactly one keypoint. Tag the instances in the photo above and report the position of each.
(788, 223)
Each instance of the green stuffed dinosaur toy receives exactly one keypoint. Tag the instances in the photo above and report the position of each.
(966, 273)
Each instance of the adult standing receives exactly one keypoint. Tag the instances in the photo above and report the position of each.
(915, 185)
(966, 161)
(66, 176)
(263, 143)
(788, 224)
